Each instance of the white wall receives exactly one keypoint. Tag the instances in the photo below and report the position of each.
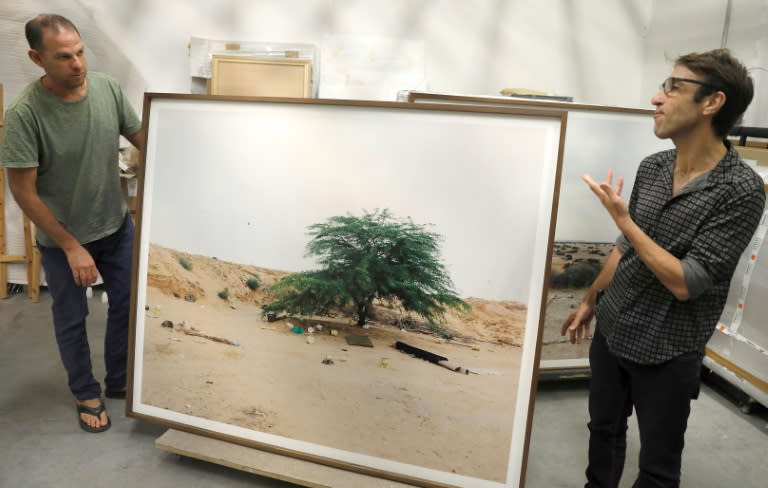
(681, 26)
(611, 52)
(471, 46)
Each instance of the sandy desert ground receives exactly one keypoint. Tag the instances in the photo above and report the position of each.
(318, 388)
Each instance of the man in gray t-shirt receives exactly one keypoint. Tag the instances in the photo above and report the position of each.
(60, 151)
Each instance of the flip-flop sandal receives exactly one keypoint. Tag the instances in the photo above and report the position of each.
(95, 412)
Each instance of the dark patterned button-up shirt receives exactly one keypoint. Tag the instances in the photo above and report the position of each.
(707, 225)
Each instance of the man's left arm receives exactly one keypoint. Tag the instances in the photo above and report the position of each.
(730, 232)
(137, 139)
(667, 268)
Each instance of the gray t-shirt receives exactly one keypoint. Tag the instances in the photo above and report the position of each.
(74, 146)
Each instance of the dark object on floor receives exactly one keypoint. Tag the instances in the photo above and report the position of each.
(359, 340)
(96, 412)
(14, 289)
(419, 353)
(431, 357)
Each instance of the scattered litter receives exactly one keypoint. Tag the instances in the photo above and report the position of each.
(167, 323)
(289, 325)
(486, 372)
(271, 316)
(189, 298)
(475, 347)
(209, 382)
(319, 327)
(310, 339)
(310, 329)
(193, 332)
(334, 332)
(327, 361)
(233, 307)
(384, 363)
(359, 340)
(297, 330)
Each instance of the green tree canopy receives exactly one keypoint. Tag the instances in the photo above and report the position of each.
(376, 256)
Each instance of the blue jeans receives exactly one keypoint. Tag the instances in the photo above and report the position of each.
(112, 255)
(661, 395)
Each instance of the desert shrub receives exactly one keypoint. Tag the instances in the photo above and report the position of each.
(253, 283)
(185, 263)
(578, 275)
(224, 294)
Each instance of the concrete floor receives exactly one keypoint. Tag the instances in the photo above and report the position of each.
(41, 444)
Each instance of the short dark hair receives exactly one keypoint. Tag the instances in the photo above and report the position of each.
(722, 72)
(35, 27)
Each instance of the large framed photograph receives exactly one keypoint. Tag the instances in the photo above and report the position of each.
(359, 284)
(598, 138)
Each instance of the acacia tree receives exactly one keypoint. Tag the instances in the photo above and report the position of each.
(375, 256)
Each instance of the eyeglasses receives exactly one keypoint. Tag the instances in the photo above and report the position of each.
(671, 83)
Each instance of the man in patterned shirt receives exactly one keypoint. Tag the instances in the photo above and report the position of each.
(691, 214)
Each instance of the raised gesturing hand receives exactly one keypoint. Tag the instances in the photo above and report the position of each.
(609, 195)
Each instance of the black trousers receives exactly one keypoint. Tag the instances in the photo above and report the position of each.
(661, 396)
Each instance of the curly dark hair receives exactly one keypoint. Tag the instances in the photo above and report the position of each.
(722, 72)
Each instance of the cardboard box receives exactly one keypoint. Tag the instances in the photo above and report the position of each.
(258, 77)
(754, 153)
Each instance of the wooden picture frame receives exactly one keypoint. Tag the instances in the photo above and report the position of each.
(228, 189)
(598, 138)
(260, 77)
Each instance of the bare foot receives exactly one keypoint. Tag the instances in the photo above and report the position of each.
(92, 420)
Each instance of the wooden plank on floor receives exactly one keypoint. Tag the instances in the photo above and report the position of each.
(266, 464)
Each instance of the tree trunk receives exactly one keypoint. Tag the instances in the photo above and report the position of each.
(362, 313)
